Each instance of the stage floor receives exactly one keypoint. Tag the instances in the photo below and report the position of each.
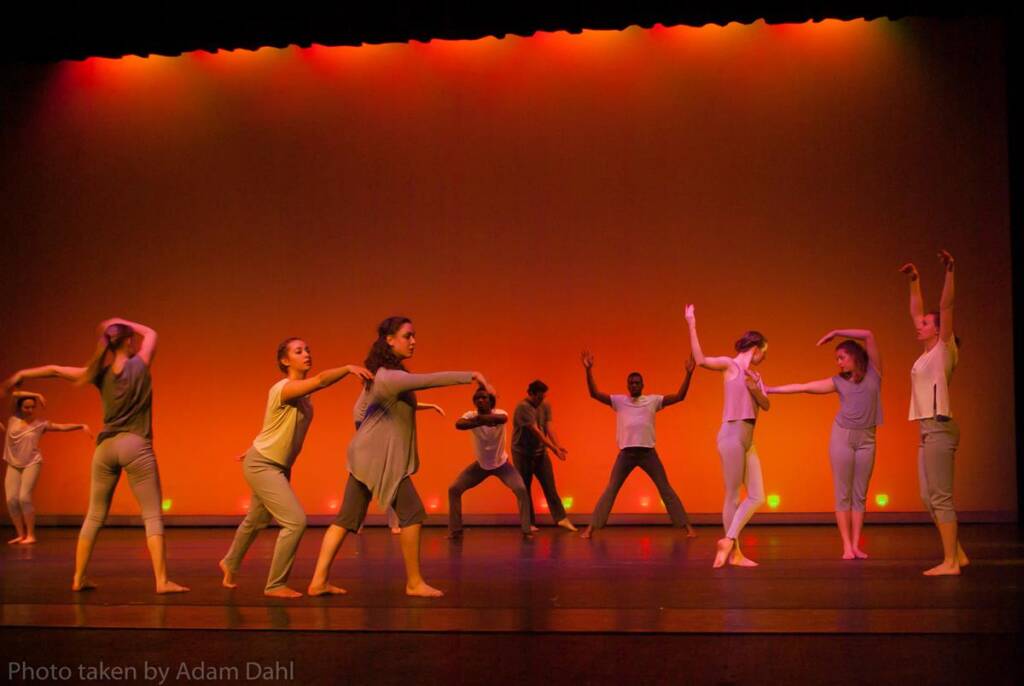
(630, 583)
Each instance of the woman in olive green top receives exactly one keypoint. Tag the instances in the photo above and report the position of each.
(120, 370)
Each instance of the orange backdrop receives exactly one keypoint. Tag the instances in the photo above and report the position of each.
(520, 199)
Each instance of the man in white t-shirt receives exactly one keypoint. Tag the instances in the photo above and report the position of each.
(488, 428)
(634, 433)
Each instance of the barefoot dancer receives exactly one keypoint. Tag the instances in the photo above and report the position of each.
(532, 438)
(930, 407)
(851, 447)
(634, 415)
(120, 371)
(383, 454)
(268, 465)
(744, 397)
(24, 461)
(488, 428)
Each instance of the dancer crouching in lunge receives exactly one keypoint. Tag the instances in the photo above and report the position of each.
(634, 432)
(383, 454)
(532, 438)
(930, 407)
(120, 371)
(487, 425)
(744, 397)
(24, 461)
(267, 466)
(851, 447)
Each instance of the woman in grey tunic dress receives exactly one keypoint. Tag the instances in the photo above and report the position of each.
(120, 370)
(383, 455)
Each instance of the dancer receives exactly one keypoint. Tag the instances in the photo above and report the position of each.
(267, 466)
(851, 447)
(532, 438)
(744, 397)
(487, 425)
(24, 461)
(634, 433)
(930, 407)
(120, 370)
(383, 454)
(390, 514)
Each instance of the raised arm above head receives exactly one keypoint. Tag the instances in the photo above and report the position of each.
(147, 347)
(587, 358)
(946, 300)
(680, 395)
(716, 363)
(916, 300)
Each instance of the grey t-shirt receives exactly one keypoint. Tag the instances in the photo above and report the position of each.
(860, 404)
(127, 400)
(524, 440)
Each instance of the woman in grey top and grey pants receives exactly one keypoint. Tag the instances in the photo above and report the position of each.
(383, 454)
(852, 444)
(741, 467)
(267, 466)
(120, 371)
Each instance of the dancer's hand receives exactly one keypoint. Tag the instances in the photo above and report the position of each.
(947, 260)
(240, 456)
(691, 364)
(482, 382)
(690, 315)
(753, 380)
(910, 270)
(362, 372)
(436, 408)
(587, 358)
(88, 432)
(827, 337)
(561, 454)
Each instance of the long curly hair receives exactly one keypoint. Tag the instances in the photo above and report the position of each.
(380, 354)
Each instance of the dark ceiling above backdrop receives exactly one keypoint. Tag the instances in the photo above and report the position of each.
(52, 33)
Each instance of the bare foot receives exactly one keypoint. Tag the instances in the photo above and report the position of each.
(14, 540)
(282, 592)
(229, 577)
(171, 587)
(738, 559)
(83, 585)
(28, 540)
(722, 550)
(325, 589)
(588, 532)
(943, 569)
(690, 532)
(454, 536)
(848, 554)
(396, 530)
(423, 590)
(566, 524)
(961, 556)
(860, 554)
(533, 529)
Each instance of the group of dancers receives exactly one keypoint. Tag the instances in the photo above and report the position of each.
(382, 455)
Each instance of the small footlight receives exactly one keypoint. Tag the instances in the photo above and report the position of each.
(166, 504)
(774, 500)
(882, 499)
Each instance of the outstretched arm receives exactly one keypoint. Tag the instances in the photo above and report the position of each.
(716, 363)
(860, 334)
(297, 388)
(819, 387)
(588, 364)
(67, 427)
(147, 349)
(916, 299)
(50, 371)
(680, 395)
(946, 301)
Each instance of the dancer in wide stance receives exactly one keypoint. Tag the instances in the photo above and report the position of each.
(744, 397)
(851, 448)
(383, 454)
(487, 426)
(267, 466)
(24, 461)
(930, 408)
(120, 370)
(634, 433)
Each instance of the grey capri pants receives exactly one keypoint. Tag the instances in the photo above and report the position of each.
(133, 454)
(852, 454)
(407, 505)
(939, 440)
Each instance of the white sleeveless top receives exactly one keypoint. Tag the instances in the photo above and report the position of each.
(929, 381)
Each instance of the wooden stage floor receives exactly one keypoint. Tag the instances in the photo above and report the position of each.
(635, 602)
